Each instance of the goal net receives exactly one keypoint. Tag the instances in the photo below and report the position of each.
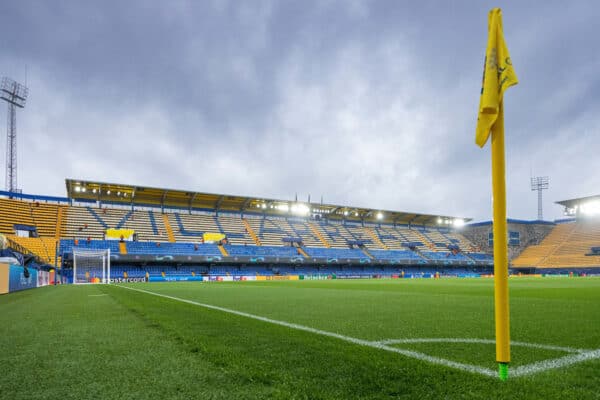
(91, 266)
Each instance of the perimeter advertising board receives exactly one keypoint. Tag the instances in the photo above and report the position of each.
(17, 279)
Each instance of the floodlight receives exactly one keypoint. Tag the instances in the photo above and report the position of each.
(300, 209)
(538, 184)
(264, 206)
(590, 208)
(108, 192)
(439, 221)
(379, 215)
(459, 223)
(83, 189)
(77, 189)
(345, 213)
(94, 191)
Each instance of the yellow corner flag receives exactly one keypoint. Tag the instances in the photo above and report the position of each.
(498, 75)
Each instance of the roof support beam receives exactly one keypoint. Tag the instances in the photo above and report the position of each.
(162, 201)
(245, 205)
(192, 198)
(218, 204)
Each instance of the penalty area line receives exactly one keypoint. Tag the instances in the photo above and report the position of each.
(361, 342)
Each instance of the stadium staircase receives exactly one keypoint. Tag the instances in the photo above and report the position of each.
(319, 235)
(421, 254)
(251, 232)
(223, 250)
(390, 237)
(425, 240)
(233, 229)
(469, 257)
(302, 252)
(59, 222)
(168, 228)
(367, 253)
(376, 238)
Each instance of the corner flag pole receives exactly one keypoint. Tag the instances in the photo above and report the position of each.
(498, 75)
(501, 312)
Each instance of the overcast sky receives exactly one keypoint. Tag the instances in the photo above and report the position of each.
(367, 103)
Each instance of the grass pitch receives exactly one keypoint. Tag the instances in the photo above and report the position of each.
(102, 342)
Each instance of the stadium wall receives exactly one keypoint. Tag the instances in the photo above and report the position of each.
(12, 278)
(4, 278)
(530, 233)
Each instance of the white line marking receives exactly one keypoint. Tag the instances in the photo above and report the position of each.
(554, 363)
(409, 353)
(97, 295)
(582, 355)
(482, 341)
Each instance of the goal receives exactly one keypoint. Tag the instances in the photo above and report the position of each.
(91, 266)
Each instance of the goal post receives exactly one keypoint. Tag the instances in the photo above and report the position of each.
(91, 266)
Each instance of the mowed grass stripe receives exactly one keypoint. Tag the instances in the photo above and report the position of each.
(376, 345)
(584, 355)
(415, 308)
(77, 342)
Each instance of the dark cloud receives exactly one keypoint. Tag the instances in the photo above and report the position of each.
(369, 103)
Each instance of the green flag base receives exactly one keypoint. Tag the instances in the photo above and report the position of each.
(503, 371)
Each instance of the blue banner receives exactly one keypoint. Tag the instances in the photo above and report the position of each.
(17, 280)
(174, 278)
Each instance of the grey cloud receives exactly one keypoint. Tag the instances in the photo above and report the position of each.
(368, 103)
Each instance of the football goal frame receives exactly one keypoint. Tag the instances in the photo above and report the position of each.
(91, 266)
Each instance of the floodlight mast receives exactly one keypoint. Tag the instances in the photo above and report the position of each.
(538, 184)
(15, 95)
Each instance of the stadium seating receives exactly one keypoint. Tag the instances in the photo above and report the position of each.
(396, 255)
(565, 246)
(154, 248)
(43, 247)
(481, 256)
(270, 251)
(180, 233)
(335, 253)
(84, 222)
(67, 245)
(446, 256)
(42, 216)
